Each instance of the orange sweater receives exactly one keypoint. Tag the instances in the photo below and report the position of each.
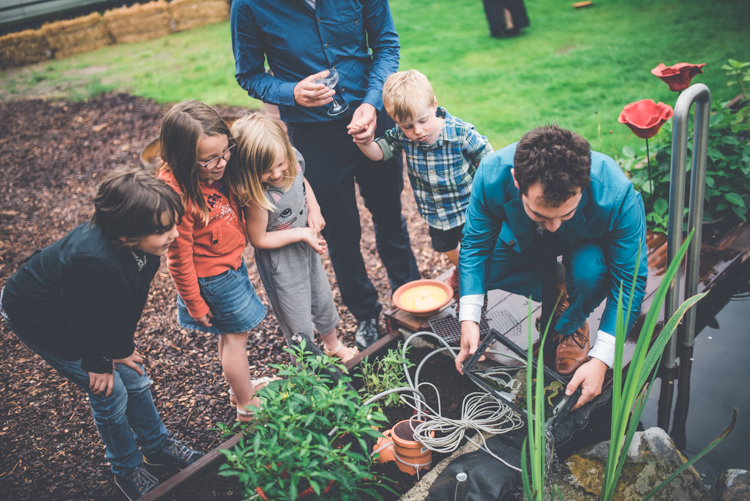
(204, 250)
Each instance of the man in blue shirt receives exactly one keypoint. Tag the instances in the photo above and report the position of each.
(545, 196)
(301, 40)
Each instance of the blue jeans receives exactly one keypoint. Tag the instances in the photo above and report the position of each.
(128, 410)
(333, 164)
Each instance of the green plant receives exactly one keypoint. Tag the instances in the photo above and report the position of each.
(727, 168)
(738, 71)
(656, 192)
(385, 373)
(536, 441)
(310, 431)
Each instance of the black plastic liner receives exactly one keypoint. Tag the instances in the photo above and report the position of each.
(486, 477)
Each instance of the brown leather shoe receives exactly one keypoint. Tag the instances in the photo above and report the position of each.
(452, 282)
(562, 305)
(572, 351)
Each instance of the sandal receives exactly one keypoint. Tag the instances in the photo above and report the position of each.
(340, 346)
(263, 381)
(244, 415)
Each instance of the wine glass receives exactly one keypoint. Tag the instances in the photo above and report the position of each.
(330, 82)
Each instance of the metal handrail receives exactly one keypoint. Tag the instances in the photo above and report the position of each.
(696, 93)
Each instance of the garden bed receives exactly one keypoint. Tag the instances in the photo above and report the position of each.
(54, 155)
(439, 370)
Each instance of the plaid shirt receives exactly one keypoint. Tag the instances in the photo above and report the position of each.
(441, 173)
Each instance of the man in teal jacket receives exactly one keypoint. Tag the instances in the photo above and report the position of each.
(545, 196)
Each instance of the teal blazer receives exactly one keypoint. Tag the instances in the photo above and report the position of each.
(610, 211)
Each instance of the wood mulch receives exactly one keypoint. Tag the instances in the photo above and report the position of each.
(52, 155)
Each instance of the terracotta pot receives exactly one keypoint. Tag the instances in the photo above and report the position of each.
(385, 448)
(416, 283)
(410, 455)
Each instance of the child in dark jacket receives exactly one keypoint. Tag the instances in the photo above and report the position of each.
(76, 304)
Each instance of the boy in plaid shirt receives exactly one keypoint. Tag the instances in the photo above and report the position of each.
(442, 155)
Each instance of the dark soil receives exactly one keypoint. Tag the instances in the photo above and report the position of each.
(437, 370)
(52, 155)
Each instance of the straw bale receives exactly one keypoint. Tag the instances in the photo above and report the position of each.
(139, 22)
(188, 14)
(24, 47)
(76, 36)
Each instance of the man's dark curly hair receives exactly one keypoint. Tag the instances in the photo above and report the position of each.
(558, 158)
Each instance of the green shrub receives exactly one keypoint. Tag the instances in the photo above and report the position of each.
(310, 431)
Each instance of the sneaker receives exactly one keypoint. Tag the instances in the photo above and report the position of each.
(367, 333)
(174, 454)
(137, 484)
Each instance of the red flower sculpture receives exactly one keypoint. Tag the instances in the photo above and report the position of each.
(678, 77)
(645, 118)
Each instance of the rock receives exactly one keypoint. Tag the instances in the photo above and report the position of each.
(733, 485)
(651, 459)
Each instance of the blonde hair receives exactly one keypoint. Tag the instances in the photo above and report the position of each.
(182, 128)
(259, 139)
(404, 92)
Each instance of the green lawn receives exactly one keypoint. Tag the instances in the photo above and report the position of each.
(567, 66)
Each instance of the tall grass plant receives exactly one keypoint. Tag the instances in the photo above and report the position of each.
(628, 396)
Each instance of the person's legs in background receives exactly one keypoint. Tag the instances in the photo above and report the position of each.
(381, 184)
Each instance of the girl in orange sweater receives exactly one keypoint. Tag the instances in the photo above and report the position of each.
(214, 292)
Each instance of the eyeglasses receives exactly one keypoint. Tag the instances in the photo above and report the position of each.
(214, 162)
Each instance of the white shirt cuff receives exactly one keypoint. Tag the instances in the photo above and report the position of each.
(603, 349)
(471, 308)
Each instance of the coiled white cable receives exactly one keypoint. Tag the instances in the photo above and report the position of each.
(480, 411)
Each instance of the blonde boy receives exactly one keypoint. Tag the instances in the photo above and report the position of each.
(442, 155)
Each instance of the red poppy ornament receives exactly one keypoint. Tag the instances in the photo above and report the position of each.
(678, 77)
(645, 117)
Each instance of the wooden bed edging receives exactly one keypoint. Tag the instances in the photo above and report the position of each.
(195, 469)
(212, 458)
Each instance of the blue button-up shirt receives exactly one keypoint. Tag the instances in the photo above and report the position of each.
(298, 41)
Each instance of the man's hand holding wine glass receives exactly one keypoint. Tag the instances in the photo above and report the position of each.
(310, 94)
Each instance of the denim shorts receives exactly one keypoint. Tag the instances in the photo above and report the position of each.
(234, 304)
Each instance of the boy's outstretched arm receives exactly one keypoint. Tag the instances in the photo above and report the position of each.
(372, 151)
